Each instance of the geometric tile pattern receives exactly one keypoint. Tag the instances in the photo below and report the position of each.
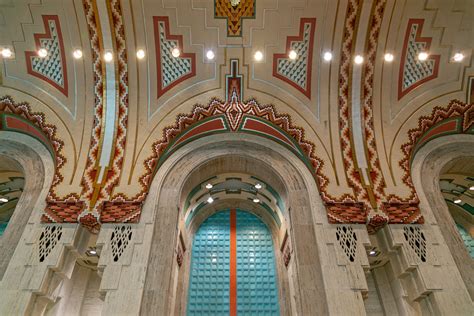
(50, 236)
(416, 239)
(209, 274)
(414, 72)
(344, 106)
(347, 240)
(209, 286)
(51, 68)
(297, 72)
(170, 70)
(234, 14)
(439, 115)
(257, 292)
(377, 180)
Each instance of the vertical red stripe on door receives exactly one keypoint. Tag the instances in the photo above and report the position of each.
(233, 263)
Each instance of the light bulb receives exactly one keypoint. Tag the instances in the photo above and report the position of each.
(210, 55)
(258, 56)
(327, 56)
(108, 56)
(77, 53)
(388, 57)
(457, 201)
(208, 186)
(258, 186)
(256, 200)
(3, 200)
(358, 59)
(292, 54)
(471, 188)
(7, 53)
(140, 54)
(42, 52)
(175, 52)
(210, 199)
(458, 57)
(423, 56)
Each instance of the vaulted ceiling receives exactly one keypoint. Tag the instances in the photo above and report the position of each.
(106, 113)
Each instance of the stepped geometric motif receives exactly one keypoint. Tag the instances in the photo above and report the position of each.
(51, 68)
(170, 70)
(225, 9)
(297, 72)
(414, 72)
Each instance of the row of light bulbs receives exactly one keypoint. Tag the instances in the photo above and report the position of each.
(210, 199)
(210, 55)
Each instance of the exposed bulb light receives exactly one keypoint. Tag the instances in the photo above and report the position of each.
(372, 252)
(92, 252)
(175, 52)
(388, 57)
(327, 56)
(423, 56)
(358, 59)
(458, 57)
(77, 53)
(292, 54)
(457, 201)
(42, 53)
(256, 200)
(210, 55)
(210, 199)
(258, 56)
(140, 54)
(471, 188)
(3, 200)
(258, 186)
(7, 53)
(108, 56)
(209, 186)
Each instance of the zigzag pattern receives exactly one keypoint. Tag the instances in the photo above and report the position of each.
(454, 108)
(216, 107)
(38, 119)
(353, 177)
(375, 172)
(90, 173)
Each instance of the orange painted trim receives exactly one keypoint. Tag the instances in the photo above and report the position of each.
(233, 263)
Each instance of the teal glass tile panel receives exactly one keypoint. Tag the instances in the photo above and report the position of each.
(257, 289)
(208, 292)
(468, 240)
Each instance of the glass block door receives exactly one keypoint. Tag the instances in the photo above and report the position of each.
(233, 267)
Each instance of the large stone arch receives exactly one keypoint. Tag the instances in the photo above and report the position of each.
(159, 295)
(427, 165)
(38, 167)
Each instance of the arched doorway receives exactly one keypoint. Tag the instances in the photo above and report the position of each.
(233, 266)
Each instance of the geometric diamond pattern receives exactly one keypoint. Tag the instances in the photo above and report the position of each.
(170, 70)
(297, 72)
(173, 68)
(51, 68)
(413, 71)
